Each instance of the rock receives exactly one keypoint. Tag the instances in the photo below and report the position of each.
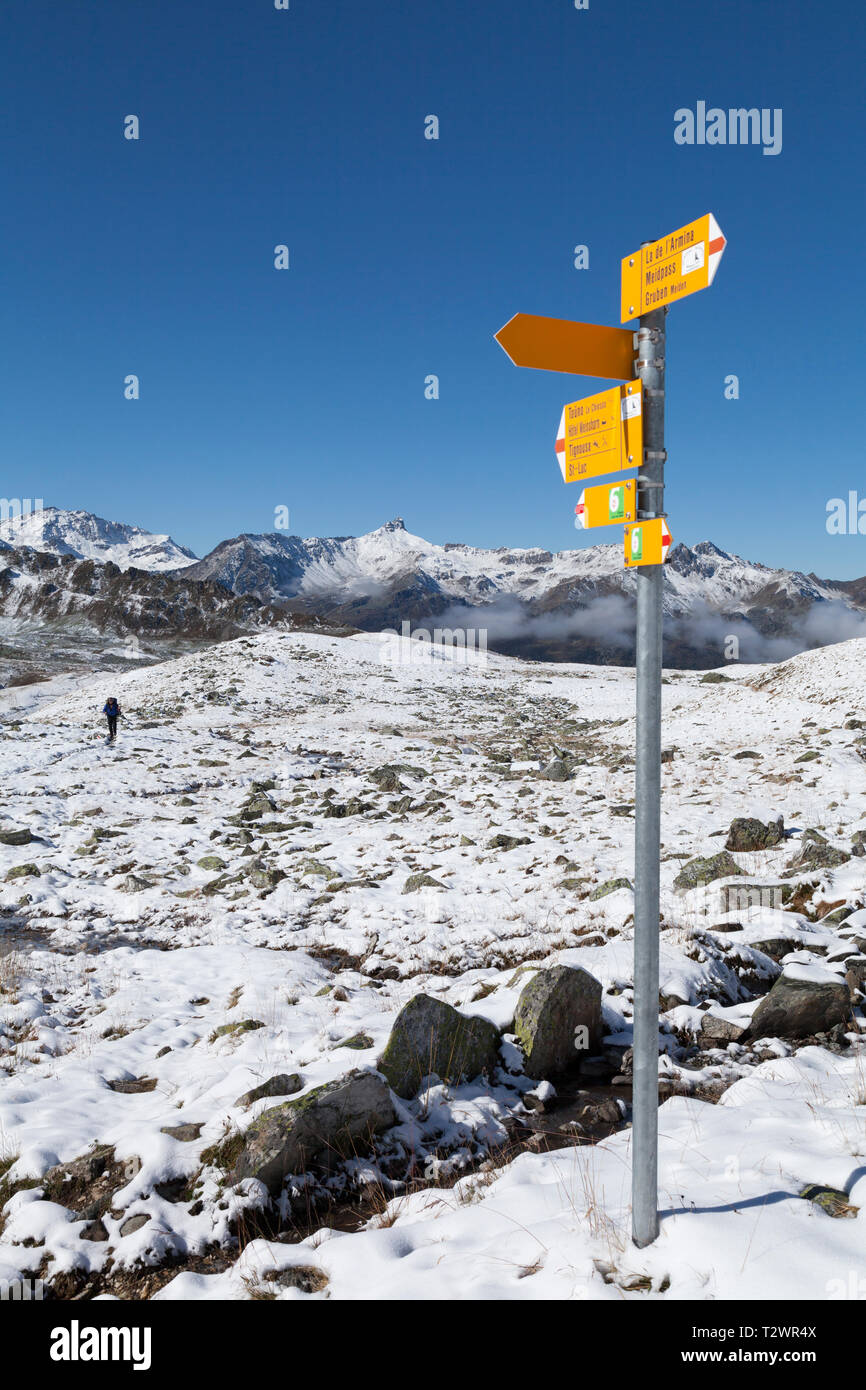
(134, 1223)
(23, 871)
(508, 841)
(258, 805)
(212, 862)
(133, 1088)
(830, 1199)
(359, 1041)
(316, 869)
(610, 886)
(246, 1025)
(387, 778)
(94, 1230)
(556, 771)
(332, 1122)
(415, 882)
(698, 872)
(815, 853)
(262, 877)
(15, 837)
(718, 1032)
(748, 753)
(801, 1003)
(552, 1007)
(283, 1084)
(183, 1133)
(747, 834)
(431, 1037)
(713, 678)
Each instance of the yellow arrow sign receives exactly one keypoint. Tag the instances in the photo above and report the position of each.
(667, 270)
(601, 434)
(558, 345)
(647, 543)
(606, 505)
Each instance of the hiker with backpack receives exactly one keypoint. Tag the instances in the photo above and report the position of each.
(111, 710)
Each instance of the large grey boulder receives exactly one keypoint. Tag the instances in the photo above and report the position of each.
(552, 1007)
(429, 1036)
(801, 1003)
(747, 834)
(333, 1122)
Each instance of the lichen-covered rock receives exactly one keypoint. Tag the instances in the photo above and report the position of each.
(415, 882)
(552, 1007)
(610, 886)
(429, 1036)
(747, 834)
(802, 1002)
(698, 872)
(283, 1084)
(331, 1123)
(23, 871)
(508, 841)
(15, 837)
(245, 1025)
(211, 862)
(556, 771)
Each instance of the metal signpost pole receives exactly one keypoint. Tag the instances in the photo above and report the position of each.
(650, 367)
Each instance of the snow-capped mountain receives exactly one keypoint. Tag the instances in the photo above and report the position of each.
(573, 604)
(89, 537)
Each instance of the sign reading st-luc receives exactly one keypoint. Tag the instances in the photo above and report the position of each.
(664, 271)
(601, 434)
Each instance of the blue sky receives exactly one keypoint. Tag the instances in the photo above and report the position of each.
(305, 388)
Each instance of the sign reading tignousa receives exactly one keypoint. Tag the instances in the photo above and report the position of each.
(664, 271)
(601, 434)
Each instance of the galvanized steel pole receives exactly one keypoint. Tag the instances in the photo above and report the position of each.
(650, 367)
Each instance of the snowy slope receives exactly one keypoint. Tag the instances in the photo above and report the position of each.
(129, 950)
(89, 537)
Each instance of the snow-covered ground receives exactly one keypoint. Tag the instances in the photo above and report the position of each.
(126, 959)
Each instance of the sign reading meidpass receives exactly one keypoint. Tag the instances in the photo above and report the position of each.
(647, 542)
(601, 434)
(607, 505)
(664, 271)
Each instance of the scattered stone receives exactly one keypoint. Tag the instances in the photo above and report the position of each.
(698, 872)
(283, 1084)
(610, 886)
(800, 1004)
(713, 678)
(212, 862)
(15, 837)
(263, 877)
(133, 1088)
(553, 1006)
(508, 841)
(830, 1199)
(23, 871)
(431, 1037)
(359, 1041)
(323, 1127)
(718, 1032)
(134, 1223)
(415, 882)
(748, 753)
(748, 834)
(247, 1025)
(556, 771)
(183, 1133)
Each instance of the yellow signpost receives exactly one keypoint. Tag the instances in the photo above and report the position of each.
(559, 345)
(606, 505)
(664, 271)
(601, 434)
(647, 543)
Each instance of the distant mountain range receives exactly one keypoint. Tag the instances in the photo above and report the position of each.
(574, 604)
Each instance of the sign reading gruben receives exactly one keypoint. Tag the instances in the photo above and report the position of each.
(664, 271)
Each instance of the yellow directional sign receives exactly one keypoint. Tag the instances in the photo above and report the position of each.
(667, 270)
(601, 434)
(647, 543)
(559, 345)
(606, 505)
